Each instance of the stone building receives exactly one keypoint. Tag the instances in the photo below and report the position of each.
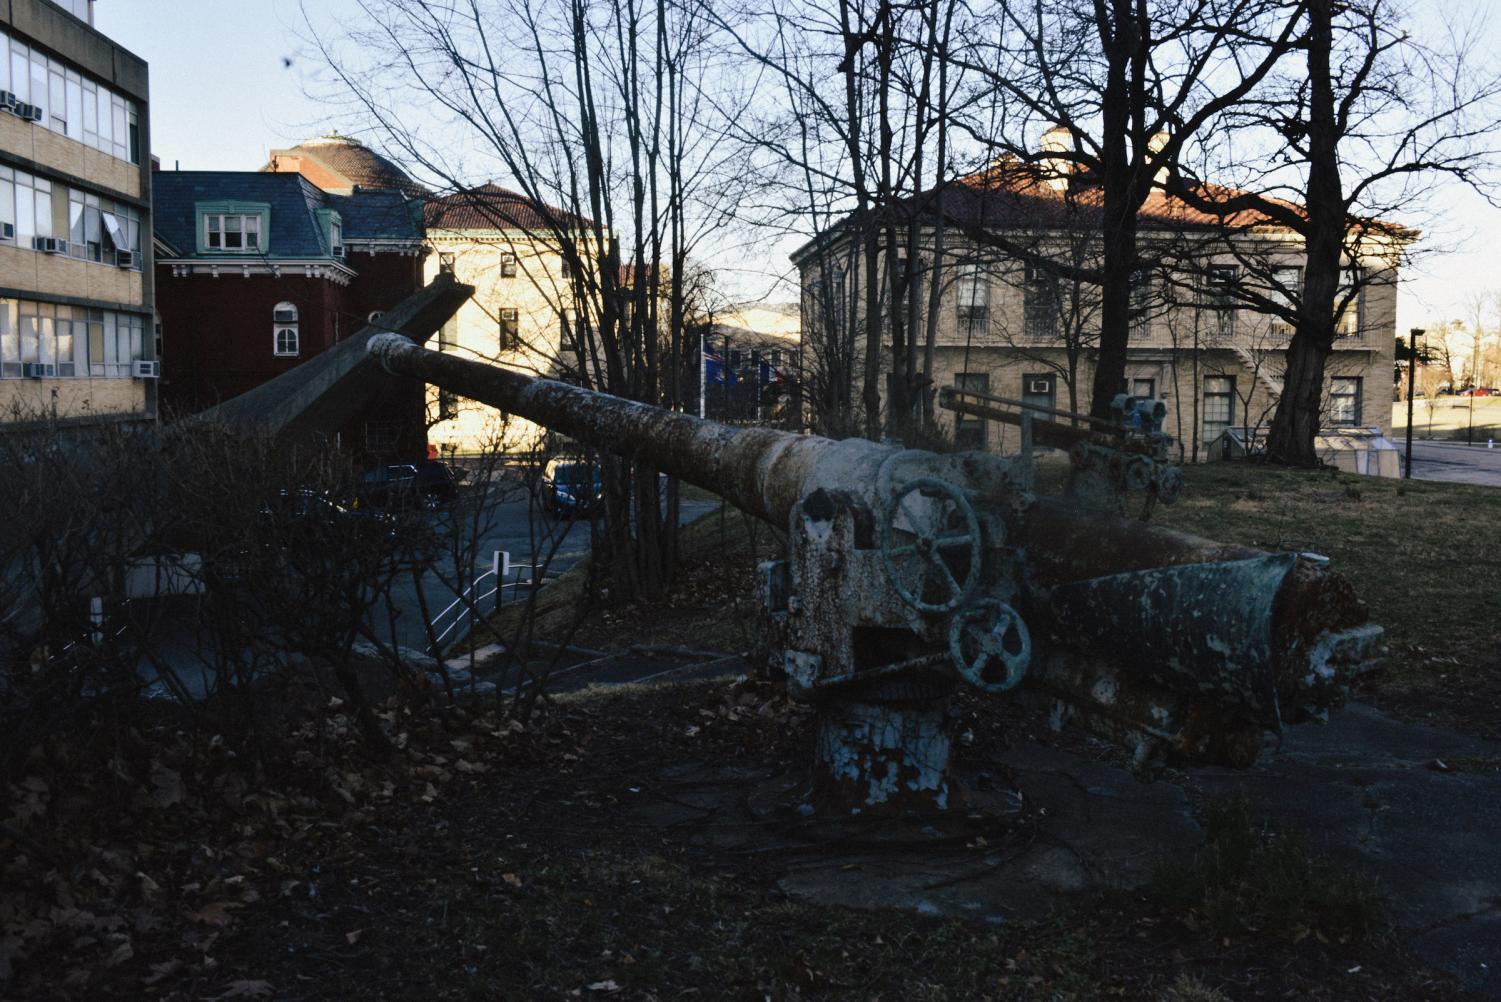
(1010, 327)
(503, 244)
(76, 283)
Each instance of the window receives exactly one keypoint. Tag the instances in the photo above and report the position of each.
(1144, 389)
(336, 237)
(231, 232)
(445, 264)
(969, 431)
(448, 338)
(28, 205)
(42, 333)
(568, 339)
(508, 266)
(71, 105)
(116, 340)
(566, 270)
(98, 229)
(284, 329)
(831, 303)
(1219, 406)
(1042, 304)
(1219, 300)
(1286, 291)
(1141, 299)
(1344, 401)
(1040, 390)
(973, 288)
(510, 330)
(1351, 320)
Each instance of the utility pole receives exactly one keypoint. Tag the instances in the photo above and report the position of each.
(1412, 379)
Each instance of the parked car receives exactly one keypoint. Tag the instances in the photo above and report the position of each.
(439, 480)
(570, 486)
(393, 487)
(1480, 391)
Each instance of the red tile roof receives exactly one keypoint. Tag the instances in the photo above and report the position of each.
(1019, 194)
(491, 207)
(347, 162)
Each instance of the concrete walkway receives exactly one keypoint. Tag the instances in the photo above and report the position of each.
(1418, 808)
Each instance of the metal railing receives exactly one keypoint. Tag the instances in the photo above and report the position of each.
(462, 607)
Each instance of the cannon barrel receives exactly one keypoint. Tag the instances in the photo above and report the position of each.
(762, 471)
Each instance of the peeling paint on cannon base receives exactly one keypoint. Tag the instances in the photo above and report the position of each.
(881, 758)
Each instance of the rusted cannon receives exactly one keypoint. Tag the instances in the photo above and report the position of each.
(910, 573)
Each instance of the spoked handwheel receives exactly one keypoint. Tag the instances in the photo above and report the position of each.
(990, 645)
(931, 546)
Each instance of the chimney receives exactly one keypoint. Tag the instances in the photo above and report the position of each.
(1154, 147)
(1056, 169)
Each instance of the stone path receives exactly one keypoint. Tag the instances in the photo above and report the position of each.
(1417, 807)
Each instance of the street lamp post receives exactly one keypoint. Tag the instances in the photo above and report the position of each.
(1412, 379)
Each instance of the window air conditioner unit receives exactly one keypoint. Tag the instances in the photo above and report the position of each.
(36, 113)
(20, 108)
(1039, 386)
(38, 370)
(125, 259)
(7, 231)
(48, 245)
(7, 99)
(147, 369)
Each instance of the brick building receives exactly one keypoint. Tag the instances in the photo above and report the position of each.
(259, 271)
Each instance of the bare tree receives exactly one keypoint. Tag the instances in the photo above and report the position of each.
(602, 114)
(1119, 88)
(852, 166)
(1346, 138)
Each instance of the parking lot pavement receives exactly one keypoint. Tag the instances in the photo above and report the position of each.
(1456, 462)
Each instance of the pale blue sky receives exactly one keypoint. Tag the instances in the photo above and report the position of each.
(223, 97)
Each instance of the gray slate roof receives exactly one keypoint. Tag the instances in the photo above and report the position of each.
(294, 231)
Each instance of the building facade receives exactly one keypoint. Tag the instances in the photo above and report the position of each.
(258, 272)
(1008, 325)
(520, 316)
(77, 294)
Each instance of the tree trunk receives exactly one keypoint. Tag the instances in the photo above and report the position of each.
(1121, 200)
(1296, 423)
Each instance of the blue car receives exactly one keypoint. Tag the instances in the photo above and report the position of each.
(570, 487)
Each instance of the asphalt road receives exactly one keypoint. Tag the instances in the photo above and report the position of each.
(515, 527)
(1456, 462)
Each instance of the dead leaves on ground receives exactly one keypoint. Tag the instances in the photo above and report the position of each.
(121, 878)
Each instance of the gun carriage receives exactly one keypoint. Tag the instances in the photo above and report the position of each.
(910, 573)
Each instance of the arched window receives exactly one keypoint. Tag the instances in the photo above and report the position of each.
(284, 329)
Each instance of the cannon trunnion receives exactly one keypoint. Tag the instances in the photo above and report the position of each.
(910, 573)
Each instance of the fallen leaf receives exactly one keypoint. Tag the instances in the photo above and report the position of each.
(161, 971)
(246, 990)
(167, 784)
(603, 986)
(511, 879)
(353, 936)
(215, 914)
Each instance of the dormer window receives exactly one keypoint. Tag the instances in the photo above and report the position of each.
(332, 225)
(233, 227)
(236, 233)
